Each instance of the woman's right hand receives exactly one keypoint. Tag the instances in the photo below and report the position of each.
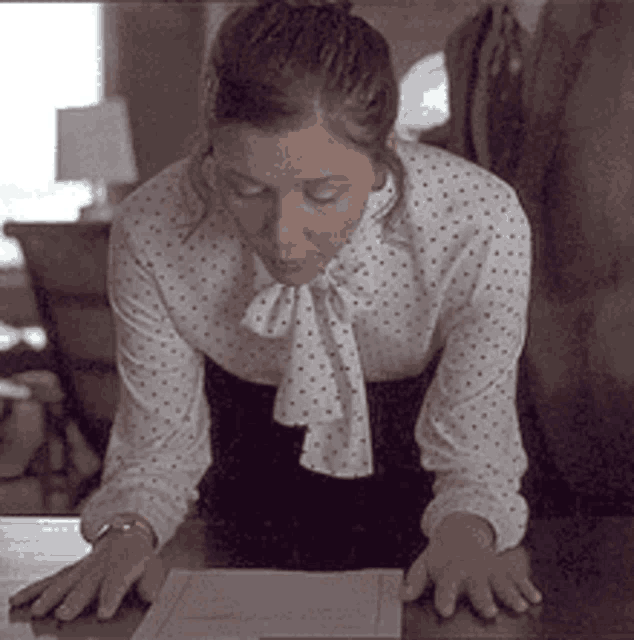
(118, 560)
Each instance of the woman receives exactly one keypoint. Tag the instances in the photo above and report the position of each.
(281, 298)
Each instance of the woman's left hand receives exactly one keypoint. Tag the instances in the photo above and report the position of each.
(459, 559)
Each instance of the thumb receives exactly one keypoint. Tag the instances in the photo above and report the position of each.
(416, 580)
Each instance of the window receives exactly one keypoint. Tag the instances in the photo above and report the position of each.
(424, 101)
(51, 59)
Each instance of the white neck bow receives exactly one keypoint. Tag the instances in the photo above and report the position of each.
(323, 384)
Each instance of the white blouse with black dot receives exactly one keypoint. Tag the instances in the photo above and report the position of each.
(453, 273)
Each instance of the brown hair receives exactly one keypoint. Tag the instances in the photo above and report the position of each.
(272, 63)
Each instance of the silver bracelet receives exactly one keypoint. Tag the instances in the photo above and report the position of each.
(125, 524)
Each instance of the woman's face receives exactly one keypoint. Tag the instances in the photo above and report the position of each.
(296, 196)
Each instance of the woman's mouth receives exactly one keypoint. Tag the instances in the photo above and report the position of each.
(296, 271)
(314, 261)
(290, 265)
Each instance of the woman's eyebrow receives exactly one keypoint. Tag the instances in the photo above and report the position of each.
(331, 177)
(312, 180)
(238, 174)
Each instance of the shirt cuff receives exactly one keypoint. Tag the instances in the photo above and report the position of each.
(104, 506)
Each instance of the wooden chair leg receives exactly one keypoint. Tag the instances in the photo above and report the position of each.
(22, 433)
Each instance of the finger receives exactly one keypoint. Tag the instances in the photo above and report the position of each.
(56, 590)
(116, 585)
(152, 579)
(416, 579)
(33, 590)
(81, 595)
(529, 590)
(519, 573)
(508, 593)
(481, 596)
(447, 592)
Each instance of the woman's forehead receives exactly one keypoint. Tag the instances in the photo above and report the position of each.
(311, 152)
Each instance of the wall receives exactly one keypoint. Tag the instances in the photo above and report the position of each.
(419, 29)
(153, 54)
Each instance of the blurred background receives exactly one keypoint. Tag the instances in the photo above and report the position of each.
(150, 53)
(56, 335)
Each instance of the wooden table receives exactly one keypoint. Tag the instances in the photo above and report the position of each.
(584, 569)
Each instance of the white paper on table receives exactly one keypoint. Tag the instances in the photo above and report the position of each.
(251, 604)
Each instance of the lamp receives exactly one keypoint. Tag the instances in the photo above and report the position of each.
(95, 144)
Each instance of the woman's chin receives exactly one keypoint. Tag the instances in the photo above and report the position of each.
(299, 280)
(295, 272)
(295, 278)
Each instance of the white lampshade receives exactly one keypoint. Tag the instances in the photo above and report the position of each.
(95, 143)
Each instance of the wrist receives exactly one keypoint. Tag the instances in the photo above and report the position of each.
(128, 524)
(466, 528)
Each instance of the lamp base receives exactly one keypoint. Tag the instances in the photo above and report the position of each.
(96, 213)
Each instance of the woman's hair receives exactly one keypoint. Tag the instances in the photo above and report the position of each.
(273, 64)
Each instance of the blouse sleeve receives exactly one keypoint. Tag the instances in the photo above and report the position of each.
(159, 445)
(468, 429)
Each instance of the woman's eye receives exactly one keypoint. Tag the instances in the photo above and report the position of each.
(249, 191)
(326, 194)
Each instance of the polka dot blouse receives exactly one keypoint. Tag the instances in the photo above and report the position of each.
(450, 272)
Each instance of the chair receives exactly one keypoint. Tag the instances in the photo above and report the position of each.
(67, 266)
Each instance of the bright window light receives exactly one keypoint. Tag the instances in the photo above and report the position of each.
(51, 55)
(35, 337)
(424, 99)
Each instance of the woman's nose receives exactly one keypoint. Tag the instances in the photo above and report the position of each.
(293, 228)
